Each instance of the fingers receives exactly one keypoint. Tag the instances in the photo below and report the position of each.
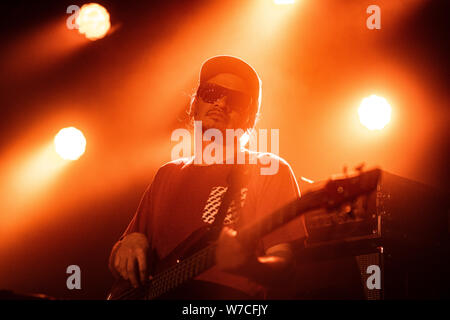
(113, 262)
(126, 267)
(142, 262)
(113, 266)
(123, 267)
(230, 255)
(130, 252)
(231, 232)
(131, 272)
(227, 233)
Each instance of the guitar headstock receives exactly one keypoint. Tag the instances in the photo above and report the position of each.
(340, 191)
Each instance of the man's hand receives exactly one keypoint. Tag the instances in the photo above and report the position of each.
(230, 255)
(270, 269)
(126, 254)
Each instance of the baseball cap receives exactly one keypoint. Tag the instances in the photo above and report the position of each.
(230, 64)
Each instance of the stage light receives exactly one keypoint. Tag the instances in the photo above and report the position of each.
(70, 143)
(284, 1)
(93, 21)
(374, 112)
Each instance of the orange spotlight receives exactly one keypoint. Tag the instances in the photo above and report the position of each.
(70, 143)
(374, 112)
(93, 21)
(284, 1)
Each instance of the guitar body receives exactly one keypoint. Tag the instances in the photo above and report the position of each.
(199, 239)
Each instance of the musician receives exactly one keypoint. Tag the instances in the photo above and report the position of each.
(186, 194)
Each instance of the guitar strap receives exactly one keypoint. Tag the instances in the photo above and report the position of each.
(236, 179)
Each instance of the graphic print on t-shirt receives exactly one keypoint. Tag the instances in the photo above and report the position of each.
(215, 200)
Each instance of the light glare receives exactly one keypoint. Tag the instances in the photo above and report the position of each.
(70, 143)
(374, 112)
(93, 21)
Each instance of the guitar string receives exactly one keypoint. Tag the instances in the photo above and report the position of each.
(196, 259)
(161, 279)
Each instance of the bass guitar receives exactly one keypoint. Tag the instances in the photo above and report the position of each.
(197, 253)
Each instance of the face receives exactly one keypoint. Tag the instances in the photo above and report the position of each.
(219, 113)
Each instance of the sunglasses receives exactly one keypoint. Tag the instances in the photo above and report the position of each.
(236, 100)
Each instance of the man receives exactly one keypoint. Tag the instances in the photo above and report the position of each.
(186, 195)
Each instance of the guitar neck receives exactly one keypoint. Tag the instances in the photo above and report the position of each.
(285, 214)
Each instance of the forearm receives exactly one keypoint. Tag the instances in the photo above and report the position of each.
(270, 270)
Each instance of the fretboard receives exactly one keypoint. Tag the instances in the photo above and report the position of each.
(181, 272)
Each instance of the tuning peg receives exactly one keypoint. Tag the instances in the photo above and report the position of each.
(360, 167)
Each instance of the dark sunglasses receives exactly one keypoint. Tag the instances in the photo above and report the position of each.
(236, 100)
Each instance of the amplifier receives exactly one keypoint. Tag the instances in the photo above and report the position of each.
(391, 244)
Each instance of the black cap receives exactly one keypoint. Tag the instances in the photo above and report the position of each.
(229, 64)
